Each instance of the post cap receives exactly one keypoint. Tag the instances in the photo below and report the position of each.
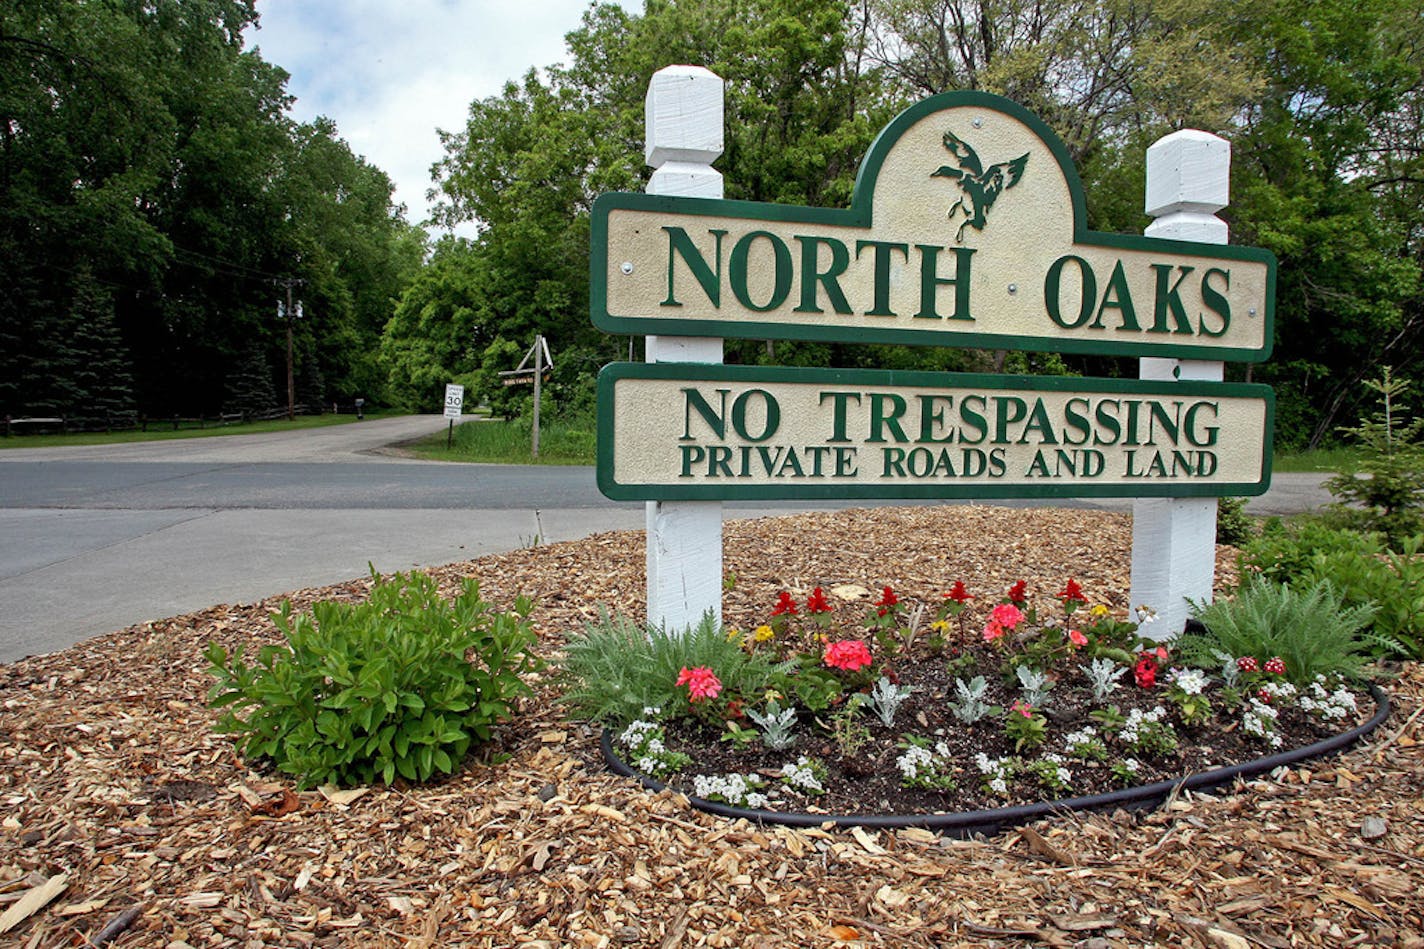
(1188, 170)
(683, 116)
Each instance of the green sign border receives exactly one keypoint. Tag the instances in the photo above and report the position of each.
(708, 372)
(859, 214)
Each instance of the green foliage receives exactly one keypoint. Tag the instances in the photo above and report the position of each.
(1233, 525)
(616, 668)
(1285, 553)
(1386, 484)
(1392, 583)
(400, 685)
(1312, 629)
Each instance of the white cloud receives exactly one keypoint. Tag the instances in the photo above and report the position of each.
(390, 72)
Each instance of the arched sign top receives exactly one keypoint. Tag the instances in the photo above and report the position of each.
(967, 227)
(967, 131)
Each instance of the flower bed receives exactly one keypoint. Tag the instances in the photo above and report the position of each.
(968, 719)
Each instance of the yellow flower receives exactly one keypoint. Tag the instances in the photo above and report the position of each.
(733, 634)
(1099, 610)
(940, 626)
(762, 633)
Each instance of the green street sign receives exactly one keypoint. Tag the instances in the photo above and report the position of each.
(708, 432)
(967, 227)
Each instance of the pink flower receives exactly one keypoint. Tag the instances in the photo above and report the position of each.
(1007, 615)
(701, 682)
(1023, 708)
(847, 654)
(1077, 638)
(1003, 619)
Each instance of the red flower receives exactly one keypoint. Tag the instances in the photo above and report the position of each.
(1145, 671)
(701, 682)
(1248, 664)
(848, 654)
(887, 600)
(958, 594)
(1276, 666)
(1016, 593)
(1071, 591)
(1264, 695)
(817, 602)
(784, 605)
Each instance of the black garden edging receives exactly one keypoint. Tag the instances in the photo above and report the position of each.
(990, 822)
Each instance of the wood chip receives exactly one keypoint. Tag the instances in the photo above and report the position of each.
(34, 899)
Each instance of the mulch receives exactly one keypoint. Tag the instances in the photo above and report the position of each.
(128, 822)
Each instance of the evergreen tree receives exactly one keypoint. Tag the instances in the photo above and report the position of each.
(249, 386)
(101, 383)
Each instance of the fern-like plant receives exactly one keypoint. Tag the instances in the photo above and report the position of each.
(1310, 628)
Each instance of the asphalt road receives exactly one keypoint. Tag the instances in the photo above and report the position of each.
(97, 538)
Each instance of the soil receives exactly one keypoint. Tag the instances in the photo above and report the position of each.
(125, 821)
(869, 781)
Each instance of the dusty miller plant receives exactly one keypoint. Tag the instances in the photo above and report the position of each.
(775, 725)
(886, 699)
(1103, 673)
(1033, 685)
(970, 706)
(1230, 671)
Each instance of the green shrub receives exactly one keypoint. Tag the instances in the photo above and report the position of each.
(1233, 524)
(1311, 629)
(616, 668)
(1286, 554)
(1392, 582)
(402, 684)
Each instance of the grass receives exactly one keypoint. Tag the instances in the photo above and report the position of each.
(561, 442)
(1318, 460)
(159, 433)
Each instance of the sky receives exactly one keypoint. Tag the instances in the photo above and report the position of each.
(390, 72)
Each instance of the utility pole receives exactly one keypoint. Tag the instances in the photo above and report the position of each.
(291, 385)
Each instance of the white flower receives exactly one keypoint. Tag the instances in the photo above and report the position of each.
(1190, 681)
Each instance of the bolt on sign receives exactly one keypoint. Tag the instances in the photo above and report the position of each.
(966, 227)
(751, 432)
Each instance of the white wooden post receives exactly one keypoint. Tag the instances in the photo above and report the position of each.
(683, 118)
(1174, 539)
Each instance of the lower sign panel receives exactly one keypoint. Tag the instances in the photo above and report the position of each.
(671, 431)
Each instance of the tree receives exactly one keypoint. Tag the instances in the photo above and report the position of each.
(801, 110)
(142, 145)
(1321, 161)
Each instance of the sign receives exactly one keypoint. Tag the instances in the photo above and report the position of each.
(710, 432)
(967, 227)
(454, 400)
